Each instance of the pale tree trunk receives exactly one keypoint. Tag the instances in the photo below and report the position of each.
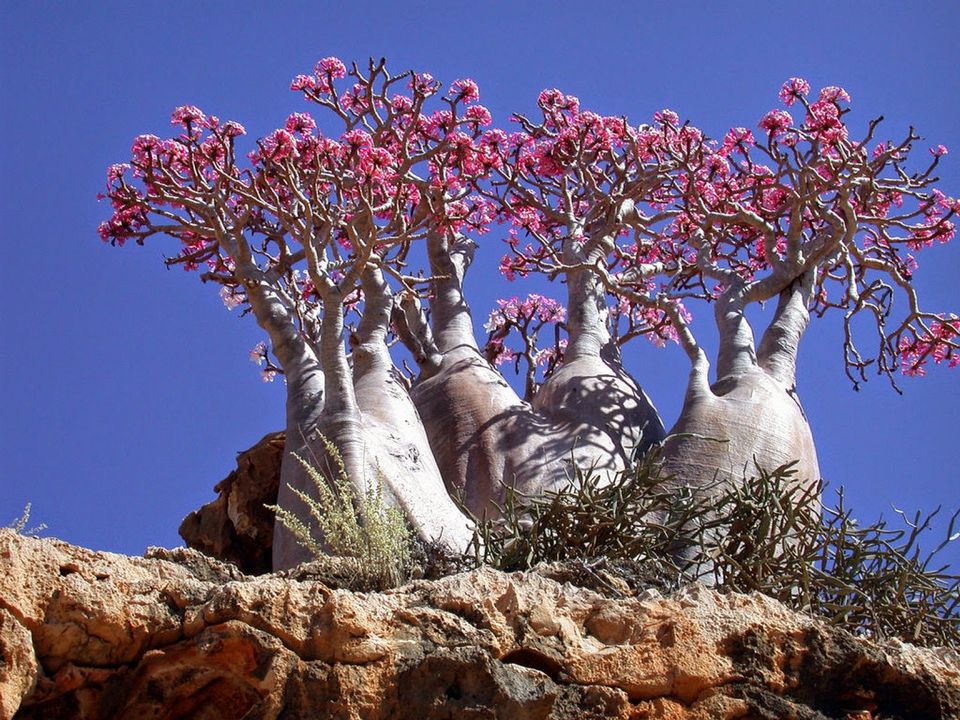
(751, 413)
(483, 436)
(369, 418)
(608, 416)
(398, 452)
(466, 405)
(305, 381)
(339, 422)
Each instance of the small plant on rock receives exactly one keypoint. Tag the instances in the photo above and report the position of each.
(19, 525)
(767, 534)
(347, 523)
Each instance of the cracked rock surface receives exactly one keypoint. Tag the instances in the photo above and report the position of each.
(91, 635)
(236, 526)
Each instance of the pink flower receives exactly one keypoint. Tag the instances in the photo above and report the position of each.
(268, 375)
(502, 355)
(423, 84)
(772, 198)
(116, 171)
(507, 267)
(331, 66)
(186, 114)
(143, 144)
(233, 129)
(280, 145)
(212, 149)
(465, 90)
(546, 309)
(667, 117)
(258, 354)
(833, 94)
(301, 123)
(401, 103)
(479, 115)
(232, 297)
(553, 99)
(716, 164)
(357, 139)
(776, 122)
(736, 137)
(939, 151)
(439, 124)
(303, 82)
(793, 89)
(824, 121)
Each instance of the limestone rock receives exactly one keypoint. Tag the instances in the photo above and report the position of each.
(89, 635)
(236, 527)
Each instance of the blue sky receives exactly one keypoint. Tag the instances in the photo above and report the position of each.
(127, 387)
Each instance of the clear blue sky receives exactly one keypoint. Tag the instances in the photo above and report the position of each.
(127, 389)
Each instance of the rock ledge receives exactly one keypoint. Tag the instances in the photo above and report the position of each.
(89, 635)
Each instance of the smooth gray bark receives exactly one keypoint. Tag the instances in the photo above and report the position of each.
(611, 415)
(305, 383)
(398, 452)
(484, 437)
(751, 413)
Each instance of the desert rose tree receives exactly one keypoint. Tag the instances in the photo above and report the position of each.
(800, 214)
(310, 229)
(341, 240)
(315, 229)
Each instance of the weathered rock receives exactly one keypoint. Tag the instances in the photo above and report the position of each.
(237, 527)
(91, 635)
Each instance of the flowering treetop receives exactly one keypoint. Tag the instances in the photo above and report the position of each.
(306, 210)
(661, 214)
(658, 213)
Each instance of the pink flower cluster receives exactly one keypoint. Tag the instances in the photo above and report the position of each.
(794, 89)
(464, 91)
(513, 311)
(941, 344)
(321, 82)
(640, 201)
(776, 122)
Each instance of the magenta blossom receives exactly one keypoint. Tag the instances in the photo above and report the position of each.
(301, 123)
(331, 66)
(793, 89)
(187, 114)
(776, 122)
(465, 90)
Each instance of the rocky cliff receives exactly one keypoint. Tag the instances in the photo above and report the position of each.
(88, 634)
(236, 526)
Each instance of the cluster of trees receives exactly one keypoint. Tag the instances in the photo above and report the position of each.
(347, 236)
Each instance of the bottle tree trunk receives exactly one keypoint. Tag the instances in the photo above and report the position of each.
(398, 452)
(305, 385)
(483, 436)
(339, 422)
(371, 421)
(751, 414)
(605, 412)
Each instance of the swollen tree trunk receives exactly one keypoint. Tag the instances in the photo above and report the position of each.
(608, 416)
(483, 436)
(339, 422)
(370, 420)
(305, 381)
(751, 414)
(398, 452)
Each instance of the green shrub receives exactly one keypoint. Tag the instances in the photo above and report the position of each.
(762, 535)
(350, 524)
